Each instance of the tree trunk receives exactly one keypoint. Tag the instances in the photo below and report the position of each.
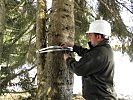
(61, 28)
(2, 25)
(41, 43)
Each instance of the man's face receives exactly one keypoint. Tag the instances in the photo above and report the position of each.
(94, 39)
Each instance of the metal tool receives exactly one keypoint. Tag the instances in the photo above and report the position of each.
(55, 49)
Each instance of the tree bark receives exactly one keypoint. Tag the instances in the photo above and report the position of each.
(61, 28)
(2, 26)
(41, 43)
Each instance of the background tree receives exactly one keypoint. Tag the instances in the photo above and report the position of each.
(82, 18)
(41, 43)
(2, 26)
(18, 44)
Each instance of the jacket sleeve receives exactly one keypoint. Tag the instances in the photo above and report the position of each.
(80, 50)
(90, 63)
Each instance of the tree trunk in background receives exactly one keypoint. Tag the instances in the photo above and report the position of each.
(41, 43)
(2, 25)
(61, 28)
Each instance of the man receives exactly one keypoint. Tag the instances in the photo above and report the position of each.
(96, 65)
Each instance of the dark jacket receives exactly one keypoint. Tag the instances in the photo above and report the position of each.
(97, 70)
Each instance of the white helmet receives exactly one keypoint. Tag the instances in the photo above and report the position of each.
(100, 26)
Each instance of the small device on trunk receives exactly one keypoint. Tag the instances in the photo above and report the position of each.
(55, 49)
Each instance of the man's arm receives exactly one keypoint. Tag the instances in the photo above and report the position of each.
(80, 50)
(88, 64)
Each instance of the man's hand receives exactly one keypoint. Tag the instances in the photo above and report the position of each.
(66, 56)
(67, 44)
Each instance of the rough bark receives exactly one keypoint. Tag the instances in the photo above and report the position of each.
(41, 43)
(61, 28)
(2, 25)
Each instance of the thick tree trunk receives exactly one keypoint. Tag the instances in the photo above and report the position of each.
(61, 28)
(2, 25)
(41, 43)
